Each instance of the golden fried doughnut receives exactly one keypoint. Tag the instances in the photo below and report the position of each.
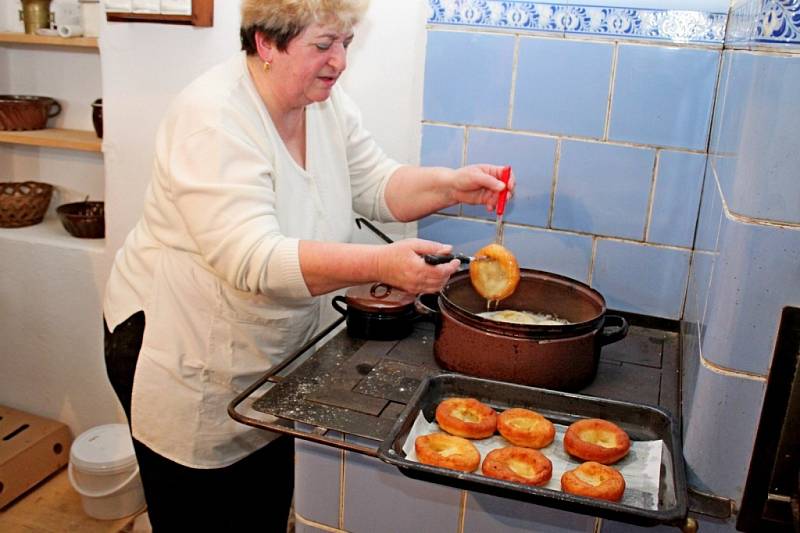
(466, 417)
(495, 277)
(523, 427)
(594, 439)
(594, 480)
(440, 449)
(522, 465)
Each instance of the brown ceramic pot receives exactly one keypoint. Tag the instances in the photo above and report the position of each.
(24, 112)
(552, 357)
(377, 311)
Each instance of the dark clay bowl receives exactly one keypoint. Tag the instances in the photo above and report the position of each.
(84, 220)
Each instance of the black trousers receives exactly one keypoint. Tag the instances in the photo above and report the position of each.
(253, 494)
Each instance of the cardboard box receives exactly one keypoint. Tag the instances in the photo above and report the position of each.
(31, 448)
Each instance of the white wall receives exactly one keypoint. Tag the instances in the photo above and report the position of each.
(384, 76)
(50, 283)
(50, 293)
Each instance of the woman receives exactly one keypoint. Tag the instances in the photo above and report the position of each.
(260, 164)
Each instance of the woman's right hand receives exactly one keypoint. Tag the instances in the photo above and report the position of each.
(402, 266)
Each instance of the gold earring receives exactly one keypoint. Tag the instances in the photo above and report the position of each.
(267, 66)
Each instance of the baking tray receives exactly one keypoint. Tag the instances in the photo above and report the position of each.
(641, 422)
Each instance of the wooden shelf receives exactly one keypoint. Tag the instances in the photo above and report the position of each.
(42, 40)
(50, 232)
(85, 141)
(202, 16)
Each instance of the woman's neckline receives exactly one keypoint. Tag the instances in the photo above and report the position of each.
(253, 71)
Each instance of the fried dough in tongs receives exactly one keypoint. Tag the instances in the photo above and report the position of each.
(494, 272)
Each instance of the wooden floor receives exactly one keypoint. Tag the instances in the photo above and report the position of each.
(54, 506)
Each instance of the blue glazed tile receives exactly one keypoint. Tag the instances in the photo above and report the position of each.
(690, 367)
(443, 146)
(468, 78)
(699, 283)
(724, 416)
(547, 97)
(726, 127)
(760, 22)
(378, 498)
(502, 515)
(561, 253)
(532, 160)
(755, 276)
(466, 236)
(760, 179)
(679, 181)
(316, 491)
(603, 189)
(684, 22)
(641, 279)
(663, 96)
(710, 216)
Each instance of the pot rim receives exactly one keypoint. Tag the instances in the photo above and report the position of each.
(527, 330)
(25, 99)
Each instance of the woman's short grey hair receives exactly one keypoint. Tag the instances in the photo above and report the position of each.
(283, 20)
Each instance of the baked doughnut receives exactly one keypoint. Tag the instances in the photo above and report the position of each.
(594, 439)
(594, 480)
(494, 272)
(523, 427)
(466, 417)
(440, 449)
(521, 465)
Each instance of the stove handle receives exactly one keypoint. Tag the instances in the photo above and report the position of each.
(614, 328)
(374, 229)
(284, 426)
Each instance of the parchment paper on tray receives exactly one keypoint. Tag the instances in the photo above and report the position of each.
(641, 468)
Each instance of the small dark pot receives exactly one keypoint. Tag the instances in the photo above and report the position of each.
(97, 117)
(377, 312)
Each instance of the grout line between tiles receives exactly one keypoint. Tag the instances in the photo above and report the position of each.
(564, 36)
(652, 196)
(744, 219)
(729, 372)
(554, 183)
(611, 84)
(557, 136)
(342, 459)
(306, 522)
(576, 233)
(462, 511)
(592, 259)
(464, 162)
(513, 94)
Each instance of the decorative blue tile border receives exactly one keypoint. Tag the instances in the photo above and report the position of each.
(639, 23)
(768, 22)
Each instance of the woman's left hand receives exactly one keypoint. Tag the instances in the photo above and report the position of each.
(479, 184)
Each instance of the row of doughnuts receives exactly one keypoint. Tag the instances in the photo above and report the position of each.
(596, 441)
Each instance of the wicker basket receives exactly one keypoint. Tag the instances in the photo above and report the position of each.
(84, 220)
(23, 203)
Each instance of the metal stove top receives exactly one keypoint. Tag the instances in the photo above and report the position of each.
(360, 387)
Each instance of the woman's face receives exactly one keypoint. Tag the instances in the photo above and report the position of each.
(312, 63)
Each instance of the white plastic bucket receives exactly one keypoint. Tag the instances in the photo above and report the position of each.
(103, 470)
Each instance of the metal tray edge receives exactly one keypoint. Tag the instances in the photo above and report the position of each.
(673, 515)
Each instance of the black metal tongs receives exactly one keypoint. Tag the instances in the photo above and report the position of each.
(431, 259)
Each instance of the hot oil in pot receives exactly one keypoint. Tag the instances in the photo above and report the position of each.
(523, 317)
